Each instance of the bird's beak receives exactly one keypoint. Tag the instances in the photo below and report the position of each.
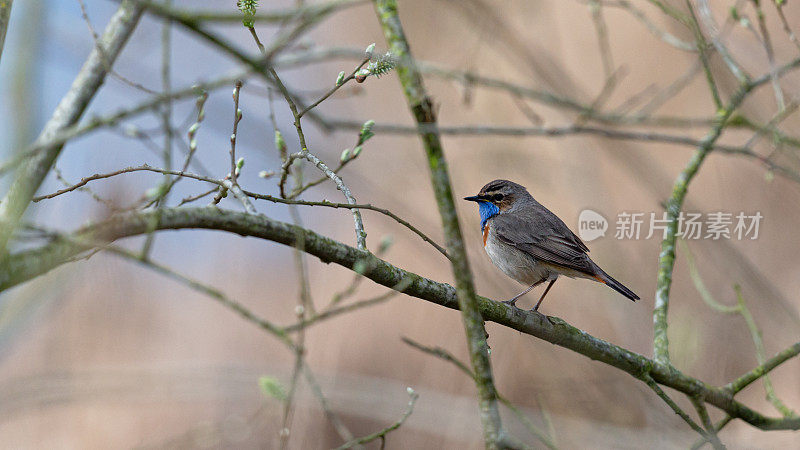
(474, 198)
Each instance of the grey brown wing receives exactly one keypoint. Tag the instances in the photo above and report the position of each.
(552, 243)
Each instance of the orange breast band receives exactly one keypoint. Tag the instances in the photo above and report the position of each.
(485, 233)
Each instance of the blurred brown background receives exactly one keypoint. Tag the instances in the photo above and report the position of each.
(106, 354)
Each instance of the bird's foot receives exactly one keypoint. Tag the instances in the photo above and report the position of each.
(511, 303)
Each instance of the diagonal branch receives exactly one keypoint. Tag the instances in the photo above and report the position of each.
(422, 110)
(441, 353)
(710, 432)
(648, 380)
(412, 399)
(67, 113)
(667, 256)
(763, 369)
(29, 264)
(25, 265)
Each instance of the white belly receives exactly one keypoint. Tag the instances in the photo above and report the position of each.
(513, 262)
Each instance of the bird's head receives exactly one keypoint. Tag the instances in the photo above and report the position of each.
(496, 197)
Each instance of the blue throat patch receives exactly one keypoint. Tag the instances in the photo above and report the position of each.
(487, 210)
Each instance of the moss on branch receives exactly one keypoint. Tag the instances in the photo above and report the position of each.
(29, 264)
(422, 110)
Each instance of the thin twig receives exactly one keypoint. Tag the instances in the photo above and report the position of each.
(741, 309)
(237, 117)
(470, 79)
(222, 183)
(76, 130)
(361, 235)
(786, 28)
(193, 198)
(710, 429)
(305, 305)
(717, 427)
(335, 88)
(107, 203)
(674, 205)
(670, 91)
(275, 16)
(596, 10)
(333, 312)
(665, 36)
(544, 438)
(711, 25)
(368, 206)
(99, 47)
(767, 43)
(67, 113)
(413, 396)
(755, 334)
(648, 380)
(700, 285)
(703, 56)
(240, 195)
(208, 290)
(552, 131)
(762, 369)
(343, 161)
(166, 124)
(331, 415)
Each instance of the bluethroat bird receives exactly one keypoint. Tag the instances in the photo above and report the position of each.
(531, 244)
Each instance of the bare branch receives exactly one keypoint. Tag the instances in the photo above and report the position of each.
(447, 356)
(67, 113)
(717, 427)
(710, 431)
(648, 380)
(333, 312)
(711, 25)
(222, 183)
(767, 43)
(674, 205)
(665, 36)
(214, 293)
(601, 28)
(334, 419)
(338, 85)
(422, 110)
(112, 72)
(304, 153)
(764, 368)
(556, 131)
(28, 264)
(237, 117)
(69, 133)
(275, 16)
(413, 396)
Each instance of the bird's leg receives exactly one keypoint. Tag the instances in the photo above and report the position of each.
(514, 299)
(536, 308)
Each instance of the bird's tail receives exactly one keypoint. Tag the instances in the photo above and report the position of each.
(608, 280)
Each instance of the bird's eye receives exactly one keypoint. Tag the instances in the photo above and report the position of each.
(497, 197)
